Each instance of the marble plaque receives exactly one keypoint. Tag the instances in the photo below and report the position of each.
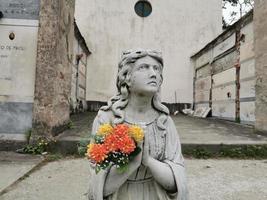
(20, 9)
(17, 63)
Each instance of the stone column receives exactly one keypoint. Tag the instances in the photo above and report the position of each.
(53, 67)
(260, 29)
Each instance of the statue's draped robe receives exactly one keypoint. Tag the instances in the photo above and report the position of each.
(165, 146)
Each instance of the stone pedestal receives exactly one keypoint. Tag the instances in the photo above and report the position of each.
(53, 67)
(260, 29)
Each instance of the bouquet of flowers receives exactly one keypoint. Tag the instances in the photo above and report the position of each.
(114, 145)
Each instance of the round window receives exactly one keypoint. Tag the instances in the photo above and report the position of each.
(143, 8)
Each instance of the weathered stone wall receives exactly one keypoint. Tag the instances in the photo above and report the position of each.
(53, 68)
(260, 29)
(225, 73)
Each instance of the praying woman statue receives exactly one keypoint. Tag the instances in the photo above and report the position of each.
(157, 172)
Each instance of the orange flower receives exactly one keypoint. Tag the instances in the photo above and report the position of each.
(111, 142)
(121, 130)
(114, 141)
(97, 152)
(128, 145)
(120, 140)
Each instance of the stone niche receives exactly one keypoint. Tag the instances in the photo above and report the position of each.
(18, 49)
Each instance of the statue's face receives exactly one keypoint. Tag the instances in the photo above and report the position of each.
(145, 76)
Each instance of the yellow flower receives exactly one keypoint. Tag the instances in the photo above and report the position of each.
(105, 129)
(137, 133)
(89, 147)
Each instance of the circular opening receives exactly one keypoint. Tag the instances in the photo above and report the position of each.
(12, 36)
(143, 8)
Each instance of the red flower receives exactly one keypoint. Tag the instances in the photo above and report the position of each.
(98, 153)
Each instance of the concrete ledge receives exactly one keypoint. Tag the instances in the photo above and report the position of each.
(196, 134)
(65, 147)
(12, 142)
(216, 148)
(70, 146)
(260, 132)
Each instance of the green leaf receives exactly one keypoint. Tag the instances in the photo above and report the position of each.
(123, 168)
(99, 139)
(104, 165)
(83, 143)
(97, 169)
(135, 153)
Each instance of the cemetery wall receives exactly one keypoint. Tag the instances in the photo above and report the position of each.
(177, 28)
(224, 77)
(79, 68)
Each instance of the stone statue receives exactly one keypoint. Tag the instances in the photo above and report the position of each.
(158, 172)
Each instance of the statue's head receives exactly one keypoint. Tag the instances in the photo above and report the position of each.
(140, 70)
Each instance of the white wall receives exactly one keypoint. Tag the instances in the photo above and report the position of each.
(176, 27)
(17, 74)
(17, 60)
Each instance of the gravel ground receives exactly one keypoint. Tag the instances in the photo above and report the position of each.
(207, 180)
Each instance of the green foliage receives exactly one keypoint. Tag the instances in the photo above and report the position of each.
(249, 151)
(199, 153)
(236, 2)
(38, 147)
(233, 2)
(99, 139)
(70, 125)
(243, 6)
(244, 152)
(28, 135)
(102, 166)
(82, 147)
(118, 159)
(122, 168)
(135, 153)
(237, 120)
(97, 169)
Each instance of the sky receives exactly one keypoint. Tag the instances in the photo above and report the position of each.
(229, 9)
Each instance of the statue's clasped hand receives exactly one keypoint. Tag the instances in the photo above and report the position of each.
(146, 158)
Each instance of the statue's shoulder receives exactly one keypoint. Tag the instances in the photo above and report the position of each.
(170, 122)
(104, 117)
(166, 119)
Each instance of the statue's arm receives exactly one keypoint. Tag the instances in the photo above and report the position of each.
(161, 171)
